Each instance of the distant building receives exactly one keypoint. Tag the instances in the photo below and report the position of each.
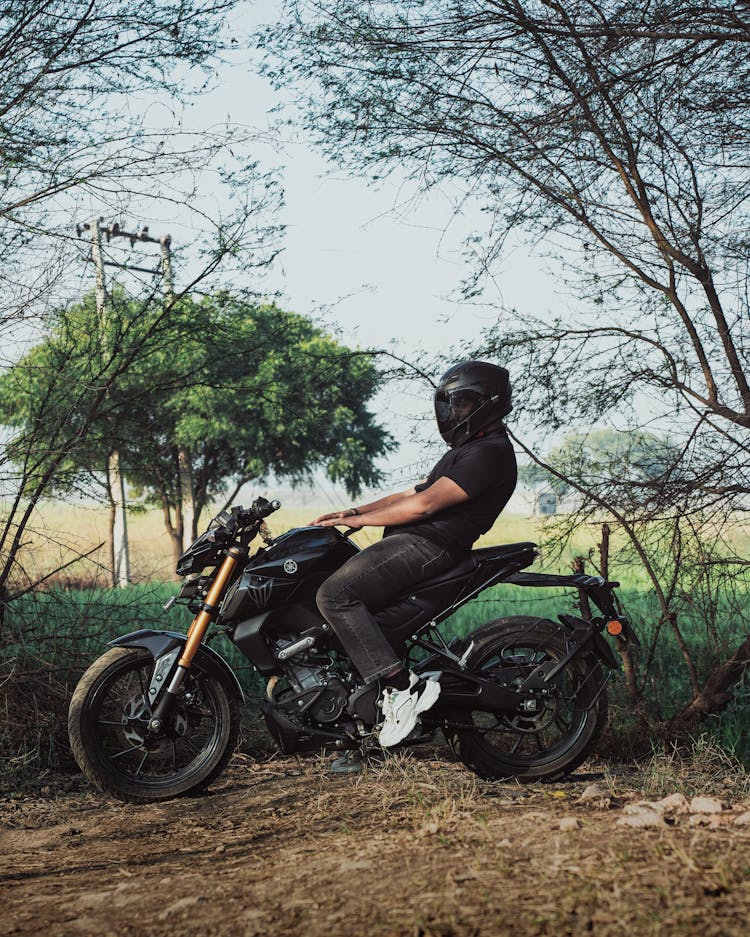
(546, 503)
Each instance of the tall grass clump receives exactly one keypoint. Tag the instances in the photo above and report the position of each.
(49, 639)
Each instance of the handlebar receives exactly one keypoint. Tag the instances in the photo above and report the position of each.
(227, 523)
(261, 508)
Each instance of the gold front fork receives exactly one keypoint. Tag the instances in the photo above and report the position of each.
(204, 617)
(195, 635)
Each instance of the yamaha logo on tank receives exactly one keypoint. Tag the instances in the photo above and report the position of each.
(290, 567)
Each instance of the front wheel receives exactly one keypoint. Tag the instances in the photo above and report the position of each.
(107, 723)
(544, 744)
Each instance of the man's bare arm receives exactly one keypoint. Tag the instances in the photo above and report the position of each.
(338, 516)
(405, 508)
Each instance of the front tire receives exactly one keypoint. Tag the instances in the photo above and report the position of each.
(107, 729)
(548, 744)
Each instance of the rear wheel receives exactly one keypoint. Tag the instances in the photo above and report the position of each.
(548, 742)
(107, 723)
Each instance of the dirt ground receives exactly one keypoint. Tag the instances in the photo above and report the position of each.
(414, 847)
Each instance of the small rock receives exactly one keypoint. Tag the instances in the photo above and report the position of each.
(705, 805)
(593, 792)
(743, 819)
(567, 824)
(674, 803)
(647, 818)
(712, 821)
(221, 848)
(643, 806)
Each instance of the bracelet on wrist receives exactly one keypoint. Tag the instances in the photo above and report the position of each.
(352, 512)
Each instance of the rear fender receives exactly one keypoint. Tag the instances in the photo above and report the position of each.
(577, 626)
(165, 647)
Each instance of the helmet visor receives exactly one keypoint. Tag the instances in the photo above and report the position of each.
(453, 407)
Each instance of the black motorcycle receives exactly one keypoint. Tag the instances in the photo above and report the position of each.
(521, 697)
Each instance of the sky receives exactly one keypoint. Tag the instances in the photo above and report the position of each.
(379, 263)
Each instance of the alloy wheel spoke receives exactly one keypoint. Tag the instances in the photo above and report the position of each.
(143, 761)
(133, 748)
(188, 744)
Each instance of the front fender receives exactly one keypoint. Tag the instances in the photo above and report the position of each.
(159, 643)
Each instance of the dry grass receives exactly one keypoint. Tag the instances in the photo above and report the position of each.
(703, 767)
(414, 847)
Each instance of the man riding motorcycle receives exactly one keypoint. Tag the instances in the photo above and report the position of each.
(428, 529)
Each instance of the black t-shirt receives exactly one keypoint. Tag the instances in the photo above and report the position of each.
(486, 470)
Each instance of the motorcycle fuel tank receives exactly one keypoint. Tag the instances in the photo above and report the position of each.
(302, 557)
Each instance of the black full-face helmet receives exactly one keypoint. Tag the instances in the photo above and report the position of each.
(471, 397)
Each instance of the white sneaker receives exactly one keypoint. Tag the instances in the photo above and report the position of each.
(402, 707)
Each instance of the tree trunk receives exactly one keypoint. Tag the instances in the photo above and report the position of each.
(110, 533)
(187, 500)
(579, 568)
(604, 552)
(201, 479)
(713, 698)
(119, 523)
(175, 530)
(177, 551)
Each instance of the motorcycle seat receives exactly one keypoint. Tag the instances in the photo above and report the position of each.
(523, 553)
(437, 590)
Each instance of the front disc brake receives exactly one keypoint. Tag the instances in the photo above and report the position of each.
(135, 716)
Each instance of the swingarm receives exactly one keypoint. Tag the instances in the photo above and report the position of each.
(514, 688)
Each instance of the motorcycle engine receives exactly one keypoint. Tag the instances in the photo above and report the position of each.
(309, 671)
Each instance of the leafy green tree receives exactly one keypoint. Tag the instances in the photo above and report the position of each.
(268, 392)
(634, 462)
(78, 138)
(222, 393)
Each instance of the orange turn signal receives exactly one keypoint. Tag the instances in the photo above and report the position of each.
(614, 627)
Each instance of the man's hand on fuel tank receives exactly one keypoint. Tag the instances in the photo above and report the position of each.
(337, 519)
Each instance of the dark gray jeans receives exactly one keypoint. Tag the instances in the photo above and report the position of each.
(370, 580)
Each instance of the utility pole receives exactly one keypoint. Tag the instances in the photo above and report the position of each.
(166, 266)
(120, 556)
(184, 461)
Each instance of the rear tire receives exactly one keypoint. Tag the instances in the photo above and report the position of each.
(546, 745)
(107, 722)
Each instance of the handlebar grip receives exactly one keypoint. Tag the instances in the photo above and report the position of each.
(262, 508)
